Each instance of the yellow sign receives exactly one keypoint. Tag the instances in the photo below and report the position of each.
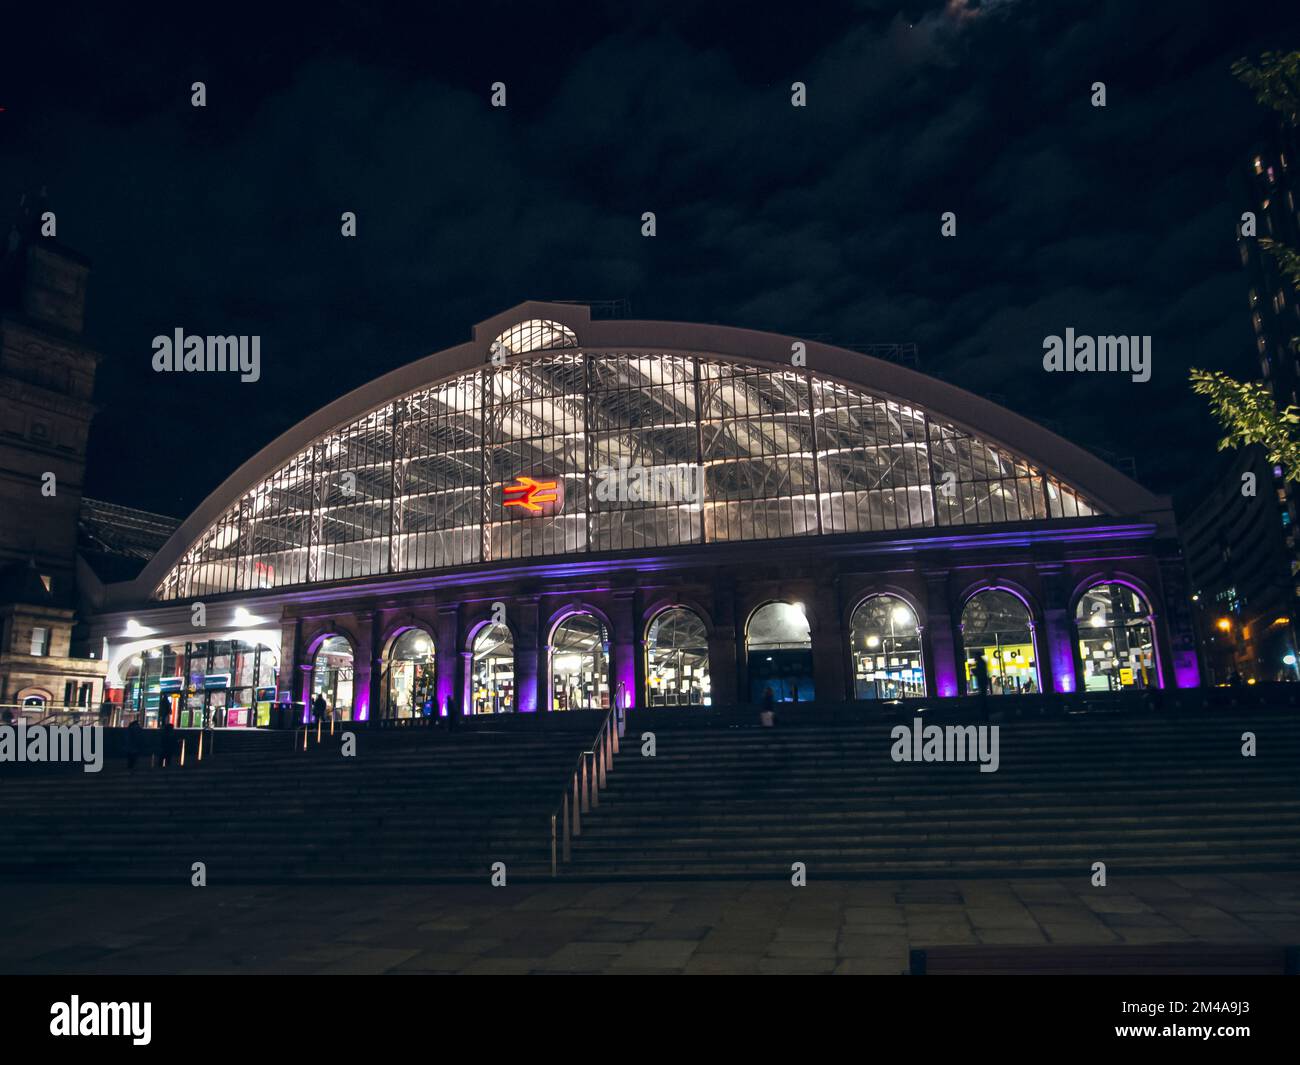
(1126, 677)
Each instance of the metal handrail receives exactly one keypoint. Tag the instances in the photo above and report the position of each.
(581, 792)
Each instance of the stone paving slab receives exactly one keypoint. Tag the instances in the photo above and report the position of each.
(698, 928)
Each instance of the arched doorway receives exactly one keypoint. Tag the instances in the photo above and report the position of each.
(492, 670)
(886, 641)
(331, 676)
(778, 653)
(996, 625)
(1116, 644)
(677, 659)
(579, 664)
(411, 685)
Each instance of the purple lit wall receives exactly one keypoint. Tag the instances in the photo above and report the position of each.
(945, 679)
(1187, 673)
(1062, 643)
(624, 673)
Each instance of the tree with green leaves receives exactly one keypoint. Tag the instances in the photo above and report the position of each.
(1246, 410)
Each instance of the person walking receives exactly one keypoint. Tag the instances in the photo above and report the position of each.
(767, 715)
(981, 676)
(319, 708)
(167, 740)
(133, 744)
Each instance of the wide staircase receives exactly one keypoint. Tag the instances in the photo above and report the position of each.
(412, 804)
(1144, 794)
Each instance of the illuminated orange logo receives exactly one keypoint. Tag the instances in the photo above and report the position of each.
(530, 495)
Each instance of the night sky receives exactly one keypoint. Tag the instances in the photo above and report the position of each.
(820, 221)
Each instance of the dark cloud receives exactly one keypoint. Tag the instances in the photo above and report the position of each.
(822, 220)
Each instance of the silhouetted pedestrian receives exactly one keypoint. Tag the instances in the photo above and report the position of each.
(453, 718)
(981, 672)
(133, 743)
(319, 708)
(167, 740)
(767, 714)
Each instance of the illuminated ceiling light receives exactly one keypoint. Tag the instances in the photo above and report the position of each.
(1096, 621)
(873, 641)
(902, 615)
(134, 628)
(1223, 625)
(243, 617)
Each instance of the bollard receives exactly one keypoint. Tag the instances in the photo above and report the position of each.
(586, 802)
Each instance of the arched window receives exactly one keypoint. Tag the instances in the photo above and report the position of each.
(886, 643)
(411, 681)
(1115, 639)
(579, 664)
(778, 651)
(677, 659)
(996, 626)
(493, 670)
(331, 676)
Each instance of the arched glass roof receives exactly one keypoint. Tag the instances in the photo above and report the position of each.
(574, 451)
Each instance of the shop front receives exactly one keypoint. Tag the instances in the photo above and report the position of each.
(202, 684)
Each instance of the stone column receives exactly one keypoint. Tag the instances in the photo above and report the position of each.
(363, 667)
(623, 647)
(529, 692)
(726, 672)
(448, 670)
(465, 701)
(939, 639)
(827, 644)
(290, 657)
(1177, 636)
(1059, 671)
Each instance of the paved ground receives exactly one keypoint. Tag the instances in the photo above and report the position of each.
(843, 927)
